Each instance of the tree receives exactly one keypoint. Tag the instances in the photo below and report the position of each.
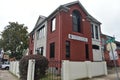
(15, 39)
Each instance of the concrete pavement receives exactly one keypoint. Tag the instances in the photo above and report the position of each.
(111, 75)
(6, 75)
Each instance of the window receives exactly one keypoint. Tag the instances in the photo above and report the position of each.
(96, 32)
(67, 49)
(95, 47)
(52, 50)
(41, 32)
(92, 30)
(87, 51)
(76, 17)
(53, 24)
(41, 50)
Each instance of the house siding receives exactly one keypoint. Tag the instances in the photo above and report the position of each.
(41, 42)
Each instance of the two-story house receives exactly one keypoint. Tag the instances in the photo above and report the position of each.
(68, 33)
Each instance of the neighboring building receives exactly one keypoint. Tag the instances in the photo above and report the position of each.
(31, 42)
(38, 37)
(106, 52)
(69, 33)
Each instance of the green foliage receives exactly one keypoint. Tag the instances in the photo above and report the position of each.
(1, 43)
(41, 65)
(14, 39)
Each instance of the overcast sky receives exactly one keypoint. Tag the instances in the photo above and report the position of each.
(27, 12)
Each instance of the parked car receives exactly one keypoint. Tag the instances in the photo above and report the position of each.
(5, 65)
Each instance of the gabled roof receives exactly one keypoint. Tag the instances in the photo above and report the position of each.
(91, 18)
(40, 20)
(76, 2)
(65, 7)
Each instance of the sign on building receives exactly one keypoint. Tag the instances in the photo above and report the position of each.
(76, 37)
(6, 57)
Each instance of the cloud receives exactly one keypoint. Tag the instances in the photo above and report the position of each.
(27, 12)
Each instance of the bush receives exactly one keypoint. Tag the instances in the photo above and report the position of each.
(41, 65)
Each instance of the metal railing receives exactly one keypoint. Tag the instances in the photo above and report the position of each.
(54, 71)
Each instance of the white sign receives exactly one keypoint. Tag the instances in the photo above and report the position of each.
(113, 55)
(113, 45)
(79, 38)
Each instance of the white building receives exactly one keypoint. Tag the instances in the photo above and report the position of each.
(40, 35)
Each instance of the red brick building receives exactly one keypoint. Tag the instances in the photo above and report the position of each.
(71, 33)
(106, 52)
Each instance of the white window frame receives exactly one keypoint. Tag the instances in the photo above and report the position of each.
(53, 24)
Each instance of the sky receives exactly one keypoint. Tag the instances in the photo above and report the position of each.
(27, 12)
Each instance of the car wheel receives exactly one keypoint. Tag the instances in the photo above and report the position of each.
(7, 68)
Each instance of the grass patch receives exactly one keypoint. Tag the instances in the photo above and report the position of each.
(51, 77)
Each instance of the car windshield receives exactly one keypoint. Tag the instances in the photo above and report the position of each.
(6, 62)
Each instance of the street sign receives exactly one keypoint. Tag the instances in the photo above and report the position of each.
(113, 45)
(111, 40)
(115, 55)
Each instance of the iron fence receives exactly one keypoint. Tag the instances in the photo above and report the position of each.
(54, 71)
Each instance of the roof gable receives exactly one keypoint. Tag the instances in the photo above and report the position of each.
(65, 8)
(91, 18)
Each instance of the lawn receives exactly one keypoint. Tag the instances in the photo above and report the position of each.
(51, 77)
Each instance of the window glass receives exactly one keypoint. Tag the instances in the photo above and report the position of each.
(95, 47)
(52, 50)
(96, 32)
(92, 30)
(41, 32)
(67, 49)
(76, 21)
(53, 24)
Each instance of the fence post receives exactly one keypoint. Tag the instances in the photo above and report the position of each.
(105, 67)
(65, 70)
(17, 70)
(31, 69)
(88, 67)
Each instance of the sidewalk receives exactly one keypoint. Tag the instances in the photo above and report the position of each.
(5, 75)
(111, 75)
